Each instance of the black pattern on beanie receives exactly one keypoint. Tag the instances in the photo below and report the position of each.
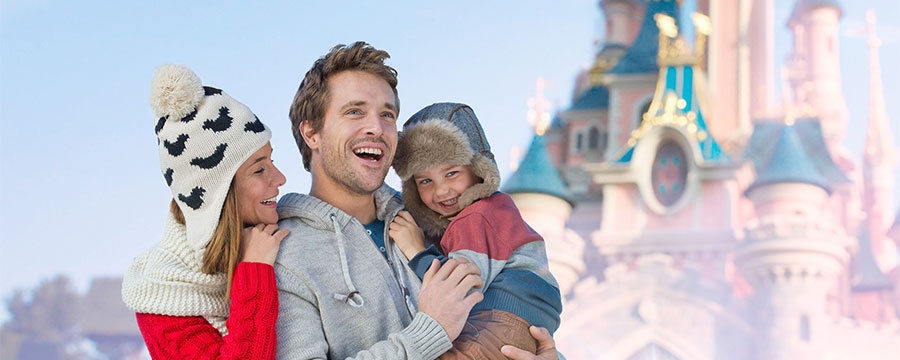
(189, 117)
(211, 161)
(255, 127)
(168, 176)
(160, 124)
(209, 91)
(221, 123)
(176, 148)
(195, 200)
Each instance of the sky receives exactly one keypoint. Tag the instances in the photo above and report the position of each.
(81, 192)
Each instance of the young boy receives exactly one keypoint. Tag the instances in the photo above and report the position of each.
(450, 182)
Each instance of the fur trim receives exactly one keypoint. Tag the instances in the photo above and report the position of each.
(175, 92)
(439, 142)
(432, 142)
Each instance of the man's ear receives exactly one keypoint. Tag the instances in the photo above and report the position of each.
(309, 134)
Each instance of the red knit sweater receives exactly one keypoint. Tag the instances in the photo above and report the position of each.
(251, 323)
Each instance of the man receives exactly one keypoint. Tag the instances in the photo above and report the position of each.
(344, 289)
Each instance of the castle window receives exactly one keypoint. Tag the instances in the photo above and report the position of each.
(804, 328)
(593, 138)
(578, 141)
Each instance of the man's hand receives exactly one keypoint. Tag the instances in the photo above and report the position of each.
(407, 234)
(546, 349)
(445, 293)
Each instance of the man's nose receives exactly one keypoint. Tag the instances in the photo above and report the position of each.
(373, 125)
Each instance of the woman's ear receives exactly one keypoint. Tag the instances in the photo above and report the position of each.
(310, 135)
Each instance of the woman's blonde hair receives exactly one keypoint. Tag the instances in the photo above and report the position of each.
(224, 249)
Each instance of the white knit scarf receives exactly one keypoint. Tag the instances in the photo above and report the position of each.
(167, 280)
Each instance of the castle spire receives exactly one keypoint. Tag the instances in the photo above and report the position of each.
(879, 140)
(879, 157)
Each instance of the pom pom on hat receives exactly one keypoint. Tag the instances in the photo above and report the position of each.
(175, 92)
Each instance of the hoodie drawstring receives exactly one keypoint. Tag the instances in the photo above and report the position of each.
(354, 298)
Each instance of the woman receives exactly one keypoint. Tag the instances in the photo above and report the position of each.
(220, 237)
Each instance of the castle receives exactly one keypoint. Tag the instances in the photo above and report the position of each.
(690, 215)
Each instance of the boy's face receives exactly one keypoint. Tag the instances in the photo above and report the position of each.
(440, 187)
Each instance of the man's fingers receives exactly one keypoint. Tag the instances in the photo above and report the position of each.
(545, 341)
(432, 271)
(470, 282)
(447, 269)
(515, 353)
(473, 298)
(463, 270)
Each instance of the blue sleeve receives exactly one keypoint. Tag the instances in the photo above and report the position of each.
(422, 261)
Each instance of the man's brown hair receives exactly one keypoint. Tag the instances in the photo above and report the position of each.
(313, 96)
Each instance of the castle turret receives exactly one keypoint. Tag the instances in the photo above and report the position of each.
(815, 65)
(623, 19)
(545, 203)
(791, 254)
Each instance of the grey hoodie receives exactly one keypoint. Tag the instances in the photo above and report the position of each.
(339, 298)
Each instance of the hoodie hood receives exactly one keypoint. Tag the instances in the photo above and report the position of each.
(317, 213)
(441, 134)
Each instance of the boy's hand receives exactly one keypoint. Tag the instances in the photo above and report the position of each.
(407, 234)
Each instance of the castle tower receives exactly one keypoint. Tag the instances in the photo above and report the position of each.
(761, 45)
(623, 20)
(632, 81)
(879, 159)
(815, 66)
(545, 204)
(791, 254)
(654, 188)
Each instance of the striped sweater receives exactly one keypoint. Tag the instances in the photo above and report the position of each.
(511, 256)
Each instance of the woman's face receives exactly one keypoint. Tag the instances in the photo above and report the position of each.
(256, 186)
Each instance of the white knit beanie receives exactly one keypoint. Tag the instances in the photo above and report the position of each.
(203, 138)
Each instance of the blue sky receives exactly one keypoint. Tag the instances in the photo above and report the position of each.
(80, 186)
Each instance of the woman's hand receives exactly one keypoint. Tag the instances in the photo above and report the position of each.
(407, 234)
(546, 347)
(260, 243)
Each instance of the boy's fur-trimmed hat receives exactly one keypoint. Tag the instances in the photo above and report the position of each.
(440, 134)
(204, 136)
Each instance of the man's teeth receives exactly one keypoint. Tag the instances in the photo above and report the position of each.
(372, 151)
(268, 201)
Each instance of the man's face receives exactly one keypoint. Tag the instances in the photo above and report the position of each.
(359, 136)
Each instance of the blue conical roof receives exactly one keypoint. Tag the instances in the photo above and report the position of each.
(867, 276)
(596, 97)
(536, 174)
(641, 56)
(788, 163)
(808, 130)
(557, 122)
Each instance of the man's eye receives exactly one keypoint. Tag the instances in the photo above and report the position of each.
(260, 171)
(354, 112)
(449, 174)
(388, 115)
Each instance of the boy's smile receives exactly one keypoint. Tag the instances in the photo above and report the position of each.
(440, 187)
